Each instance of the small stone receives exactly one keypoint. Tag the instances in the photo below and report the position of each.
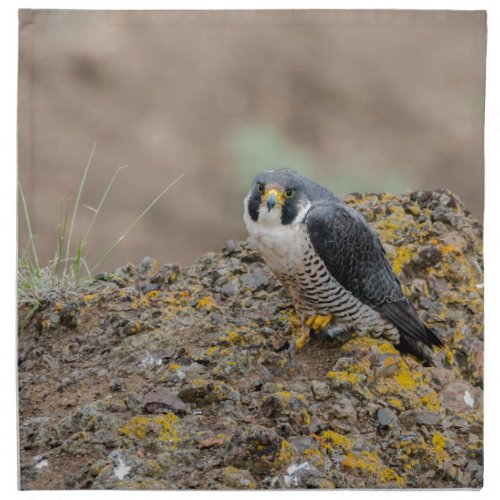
(146, 265)
(428, 256)
(386, 417)
(167, 274)
(229, 289)
(426, 417)
(321, 390)
(386, 365)
(116, 384)
(239, 479)
(161, 400)
(460, 396)
(441, 214)
(211, 442)
(344, 409)
(231, 247)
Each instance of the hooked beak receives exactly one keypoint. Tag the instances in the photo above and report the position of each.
(273, 197)
(271, 201)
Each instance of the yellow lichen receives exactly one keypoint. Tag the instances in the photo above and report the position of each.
(153, 294)
(212, 350)
(161, 426)
(369, 463)
(207, 302)
(285, 454)
(315, 456)
(431, 401)
(329, 439)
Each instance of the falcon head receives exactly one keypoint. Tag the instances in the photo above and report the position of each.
(281, 196)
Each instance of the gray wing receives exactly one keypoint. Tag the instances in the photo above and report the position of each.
(354, 256)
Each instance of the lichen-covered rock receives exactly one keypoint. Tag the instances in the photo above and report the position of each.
(170, 378)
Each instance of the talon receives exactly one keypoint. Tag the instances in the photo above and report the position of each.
(301, 341)
(318, 322)
(332, 333)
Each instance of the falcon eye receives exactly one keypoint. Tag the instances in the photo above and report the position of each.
(289, 193)
(260, 187)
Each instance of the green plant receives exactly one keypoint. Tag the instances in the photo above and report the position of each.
(69, 269)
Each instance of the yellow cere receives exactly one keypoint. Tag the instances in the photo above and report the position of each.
(277, 193)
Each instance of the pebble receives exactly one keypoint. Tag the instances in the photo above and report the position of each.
(116, 384)
(161, 400)
(321, 390)
(386, 417)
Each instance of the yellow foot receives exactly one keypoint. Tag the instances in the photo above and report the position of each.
(301, 341)
(319, 322)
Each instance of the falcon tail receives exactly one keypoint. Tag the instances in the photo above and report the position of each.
(414, 333)
(408, 345)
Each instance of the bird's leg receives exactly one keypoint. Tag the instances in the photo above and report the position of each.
(317, 325)
(333, 332)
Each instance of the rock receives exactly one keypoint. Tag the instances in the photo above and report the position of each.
(116, 384)
(460, 396)
(161, 400)
(231, 247)
(167, 274)
(426, 417)
(287, 407)
(238, 479)
(386, 417)
(258, 449)
(344, 408)
(147, 263)
(475, 361)
(321, 390)
(386, 365)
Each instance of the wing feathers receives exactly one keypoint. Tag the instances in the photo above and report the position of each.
(354, 256)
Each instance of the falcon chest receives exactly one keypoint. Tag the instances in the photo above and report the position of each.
(284, 248)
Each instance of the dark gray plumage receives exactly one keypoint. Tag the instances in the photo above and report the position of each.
(331, 260)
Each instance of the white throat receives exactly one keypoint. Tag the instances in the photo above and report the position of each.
(276, 240)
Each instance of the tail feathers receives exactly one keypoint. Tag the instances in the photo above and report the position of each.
(432, 338)
(408, 345)
(415, 335)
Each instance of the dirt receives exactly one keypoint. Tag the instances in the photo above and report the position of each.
(168, 377)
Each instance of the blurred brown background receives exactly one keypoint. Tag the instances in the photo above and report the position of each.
(359, 100)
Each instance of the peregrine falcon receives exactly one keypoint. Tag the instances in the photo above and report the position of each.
(331, 263)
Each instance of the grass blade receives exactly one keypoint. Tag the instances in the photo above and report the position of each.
(77, 203)
(98, 209)
(144, 212)
(28, 224)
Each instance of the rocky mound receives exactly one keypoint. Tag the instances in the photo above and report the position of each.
(160, 377)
